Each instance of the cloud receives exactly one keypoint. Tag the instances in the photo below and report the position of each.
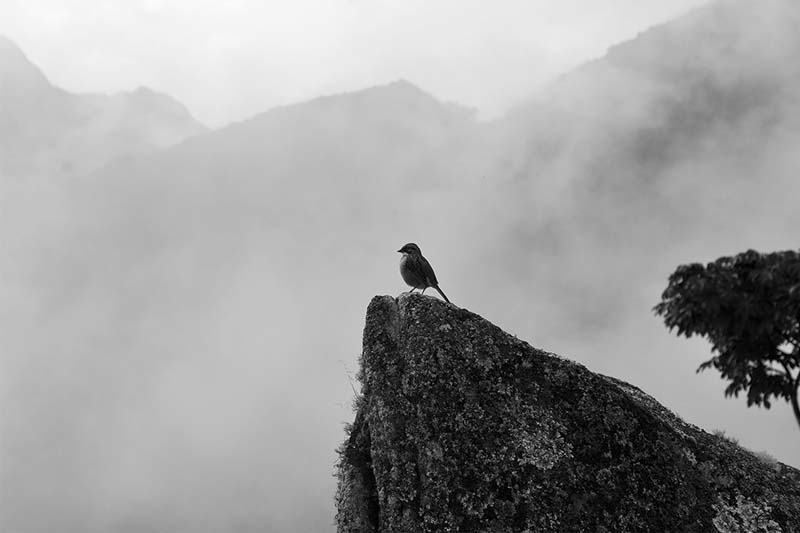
(230, 60)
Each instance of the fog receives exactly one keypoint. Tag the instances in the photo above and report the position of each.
(229, 60)
(182, 325)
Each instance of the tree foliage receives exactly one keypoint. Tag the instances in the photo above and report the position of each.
(748, 307)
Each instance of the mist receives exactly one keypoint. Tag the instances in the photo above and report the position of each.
(182, 322)
(228, 61)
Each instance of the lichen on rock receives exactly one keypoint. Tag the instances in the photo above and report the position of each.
(744, 516)
(463, 427)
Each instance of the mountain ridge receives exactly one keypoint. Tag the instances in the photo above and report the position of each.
(720, 66)
(46, 129)
(16, 71)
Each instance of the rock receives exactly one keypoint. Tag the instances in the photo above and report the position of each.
(463, 427)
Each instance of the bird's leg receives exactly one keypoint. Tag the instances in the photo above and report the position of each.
(423, 290)
(412, 290)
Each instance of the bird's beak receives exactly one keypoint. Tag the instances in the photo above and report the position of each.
(400, 250)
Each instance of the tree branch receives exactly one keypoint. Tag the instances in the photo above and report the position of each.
(793, 380)
(768, 366)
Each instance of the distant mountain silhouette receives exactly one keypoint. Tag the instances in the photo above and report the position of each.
(46, 129)
(723, 76)
(311, 159)
(684, 134)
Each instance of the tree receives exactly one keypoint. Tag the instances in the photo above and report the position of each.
(748, 307)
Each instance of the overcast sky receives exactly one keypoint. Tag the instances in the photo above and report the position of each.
(230, 59)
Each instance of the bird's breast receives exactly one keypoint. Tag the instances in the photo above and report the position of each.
(409, 272)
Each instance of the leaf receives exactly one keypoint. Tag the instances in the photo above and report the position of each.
(747, 306)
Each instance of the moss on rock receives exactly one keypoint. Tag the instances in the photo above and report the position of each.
(463, 427)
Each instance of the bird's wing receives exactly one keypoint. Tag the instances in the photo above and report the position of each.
(427, 271)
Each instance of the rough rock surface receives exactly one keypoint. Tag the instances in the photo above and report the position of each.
(463, 427)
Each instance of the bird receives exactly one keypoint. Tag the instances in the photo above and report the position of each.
(416, 270)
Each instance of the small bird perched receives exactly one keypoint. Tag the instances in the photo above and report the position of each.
(416, 270)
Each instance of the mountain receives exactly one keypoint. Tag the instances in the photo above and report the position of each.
(682, 135)
(307, 166)
(691, 87)
(463, 427)
(44, 128)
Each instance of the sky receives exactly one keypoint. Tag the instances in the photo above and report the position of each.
(227, 60)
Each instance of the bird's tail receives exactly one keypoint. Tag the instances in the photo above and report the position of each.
(440, 292)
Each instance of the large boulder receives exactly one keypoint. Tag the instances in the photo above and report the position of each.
(463, 427)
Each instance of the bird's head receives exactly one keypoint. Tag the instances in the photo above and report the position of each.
(410, 248)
